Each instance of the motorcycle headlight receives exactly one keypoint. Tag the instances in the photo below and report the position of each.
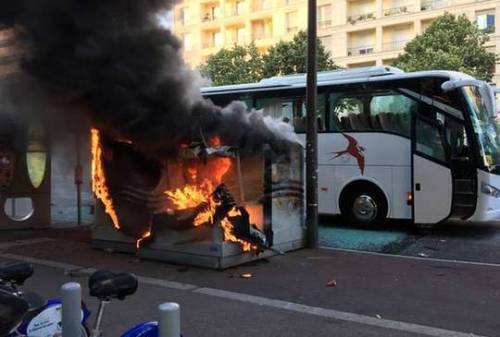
(490, 190)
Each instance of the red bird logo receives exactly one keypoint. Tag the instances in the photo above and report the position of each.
(353, 149)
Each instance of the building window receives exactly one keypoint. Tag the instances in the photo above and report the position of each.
(260, 5)
(240, 35)
(212, 39)
(291, 22)
(217, 37)
(235, 8)
(186, 42)
(184, 16)
(486, 22)
(262, 29)
(235, 35)
(326, 41)
(324, 16)
(211, 13)
(239, 7)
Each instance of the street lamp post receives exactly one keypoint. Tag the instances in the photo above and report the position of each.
(312, 132)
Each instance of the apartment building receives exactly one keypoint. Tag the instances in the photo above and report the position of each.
(357, 32)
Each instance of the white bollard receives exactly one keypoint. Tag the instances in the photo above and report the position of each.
(170, 320)
(71, 297)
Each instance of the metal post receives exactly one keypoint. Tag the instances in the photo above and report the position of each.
(71, 296)
(170, 320)
(312, 131)
(78, 176)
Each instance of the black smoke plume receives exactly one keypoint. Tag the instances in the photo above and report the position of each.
(113, 58)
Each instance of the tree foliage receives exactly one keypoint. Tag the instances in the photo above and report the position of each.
(240, 64)
(290, 57)
(244, 64)
(450, 43)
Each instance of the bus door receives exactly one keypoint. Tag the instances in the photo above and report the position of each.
(443, 174)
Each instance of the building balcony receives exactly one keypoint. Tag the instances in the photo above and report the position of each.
(292, 30)
(324, 24)
(488, 30)
(394, 45)
(361, 50)
(428, 5)
(261, 5)
(261, 36)
(209, 18)
(398, 10)
(352, 19)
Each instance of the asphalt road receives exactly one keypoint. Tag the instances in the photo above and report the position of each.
(374, 295)
(204, 315)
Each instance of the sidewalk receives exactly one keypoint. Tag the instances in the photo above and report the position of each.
(434, 294)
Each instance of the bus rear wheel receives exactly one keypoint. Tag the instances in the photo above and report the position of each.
(364, 206)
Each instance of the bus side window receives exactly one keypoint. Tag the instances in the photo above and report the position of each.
(299, 109)
(345, 113)
(392, 112)
(270, 106)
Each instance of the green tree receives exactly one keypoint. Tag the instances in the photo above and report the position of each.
(240, 64)
(290, 57)
(450, 43)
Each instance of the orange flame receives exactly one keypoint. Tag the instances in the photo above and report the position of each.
(144, 237)
(194, 195)
(99, 186)
(228, 232)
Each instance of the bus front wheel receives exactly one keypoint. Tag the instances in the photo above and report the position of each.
(363, 205)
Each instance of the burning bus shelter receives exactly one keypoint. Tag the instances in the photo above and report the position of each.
(207, 206)
(176, 177)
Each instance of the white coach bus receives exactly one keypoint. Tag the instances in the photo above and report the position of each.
(422, 146)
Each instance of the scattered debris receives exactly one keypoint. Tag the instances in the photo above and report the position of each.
(442, 240)
(423, 255)
(331, 283)
(246, 275)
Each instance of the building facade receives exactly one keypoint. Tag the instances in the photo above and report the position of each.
(357, 32)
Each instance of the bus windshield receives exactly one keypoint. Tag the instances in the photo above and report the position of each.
(486, 128)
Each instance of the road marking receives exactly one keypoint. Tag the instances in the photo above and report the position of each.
(334, 314)
(428, 259)
(263, 301)
(167, 284)
(20, 243)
